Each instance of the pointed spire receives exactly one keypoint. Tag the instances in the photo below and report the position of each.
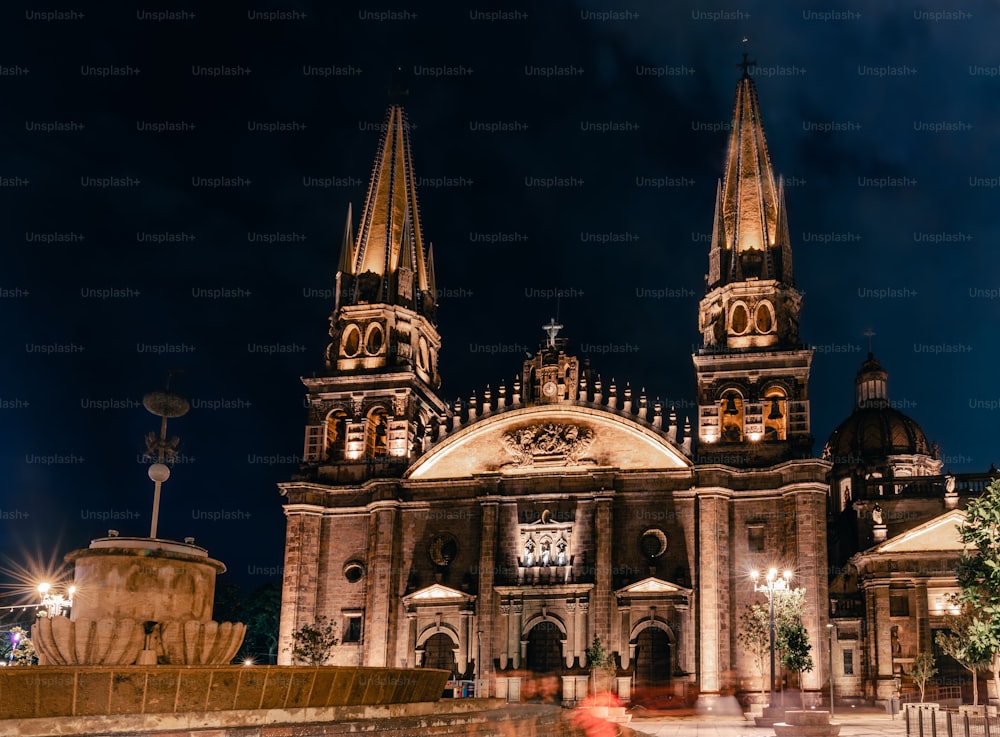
(345, 277)
(390, 238)
(750, 231)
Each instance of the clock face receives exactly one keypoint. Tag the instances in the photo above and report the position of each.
(549, 388)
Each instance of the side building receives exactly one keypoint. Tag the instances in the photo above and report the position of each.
(497, 537)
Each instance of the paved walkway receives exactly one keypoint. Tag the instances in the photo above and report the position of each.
(854, 723)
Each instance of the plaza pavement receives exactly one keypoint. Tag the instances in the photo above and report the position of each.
(855, 722)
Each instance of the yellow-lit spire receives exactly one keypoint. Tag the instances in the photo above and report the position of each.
(389, 236)
(750, 236)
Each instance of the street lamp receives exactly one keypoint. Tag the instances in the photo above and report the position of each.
(54, 604)
(832, 629)
(772, 584)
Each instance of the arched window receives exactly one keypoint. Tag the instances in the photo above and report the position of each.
(775, 414)
(377, 433)
(336, 435)
(731, 417)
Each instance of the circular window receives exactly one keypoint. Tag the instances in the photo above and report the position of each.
(764, 317)
(352, 341)
(653, 543)
(739, 319)
(373, 342)
(442, 549)
(354, 571)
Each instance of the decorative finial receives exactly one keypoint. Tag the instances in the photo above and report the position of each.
(746, 63)
(869, 333)
(552, 329)
(163, 404)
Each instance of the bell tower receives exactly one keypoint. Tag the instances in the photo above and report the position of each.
(752, 369)
(376, 404)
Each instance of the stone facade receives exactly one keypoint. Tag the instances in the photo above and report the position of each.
(498, 537)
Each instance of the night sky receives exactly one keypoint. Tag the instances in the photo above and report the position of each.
(566, 149)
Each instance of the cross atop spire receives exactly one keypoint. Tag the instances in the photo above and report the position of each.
(746, 63)
(552, 329)
(869, 333)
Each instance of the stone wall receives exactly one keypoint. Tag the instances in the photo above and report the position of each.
(52, 691)
(478, 717)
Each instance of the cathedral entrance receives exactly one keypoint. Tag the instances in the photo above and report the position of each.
(439, 652)
(652, 664)
(545, 663)
(544, 648)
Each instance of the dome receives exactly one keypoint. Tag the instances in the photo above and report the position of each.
(873, 433)
(875, 430)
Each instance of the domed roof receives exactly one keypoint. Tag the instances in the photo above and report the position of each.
(875, 430)
(872, 433)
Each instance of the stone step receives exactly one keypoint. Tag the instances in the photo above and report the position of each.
(831, 729)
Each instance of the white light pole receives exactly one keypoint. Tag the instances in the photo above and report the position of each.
(832, 629)
(771, 586)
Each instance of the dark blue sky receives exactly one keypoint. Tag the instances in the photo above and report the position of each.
(884, 122)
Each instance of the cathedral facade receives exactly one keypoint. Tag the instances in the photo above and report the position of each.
(498, 537)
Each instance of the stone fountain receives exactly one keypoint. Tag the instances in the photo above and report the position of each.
(142, 600)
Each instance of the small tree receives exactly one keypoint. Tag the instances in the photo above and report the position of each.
(922, 671)
(963, 648)
(795, 649)
(313, 643)
(600, 661)
(755, 637)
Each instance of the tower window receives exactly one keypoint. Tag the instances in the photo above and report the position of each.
(899, 605)
(351, 341)
(336, 435)
(352, 628)
(373, 340)
(739, 319)
(755, 538)
(732, 417)
(377, 433)
(775, 414)
(848, 662)
(764, 317)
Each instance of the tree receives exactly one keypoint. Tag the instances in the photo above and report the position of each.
(261, 614)
(795, 649)
(600, 661)
(922, 671)
(312, 644)
(16, 642)
(979, 577)
(755, 637)
(755, 625)
(961, 644)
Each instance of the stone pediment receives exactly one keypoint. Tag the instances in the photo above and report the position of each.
(437, 593)
(940, 533)
(651, 586)
(550, 437)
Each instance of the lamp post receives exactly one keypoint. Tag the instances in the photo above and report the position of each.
(832, 629)
(772, 584)
(54, 604)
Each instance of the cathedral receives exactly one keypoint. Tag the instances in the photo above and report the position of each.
(499, 536)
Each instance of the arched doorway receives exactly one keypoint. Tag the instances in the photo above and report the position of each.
(439, 652)
(544, 653)
(652, 659)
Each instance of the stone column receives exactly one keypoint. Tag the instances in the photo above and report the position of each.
(923, 634)
(382, 579)
(505, 647)
(411, 639)
(465, 624)
(516, 624)
(885, 685)
(569, 652)
(603, 584)
(299, 587)
(485, 601)
(713, 574)
(811, 573)
(625, 649)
